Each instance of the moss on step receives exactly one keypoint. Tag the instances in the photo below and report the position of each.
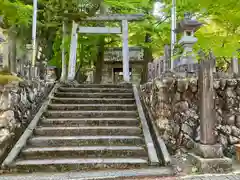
(6, 77)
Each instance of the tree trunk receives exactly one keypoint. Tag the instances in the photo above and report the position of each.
(64, 64)
(100, 61)
(147, 57)
(48, 50)
(12, 40)
(79, 74)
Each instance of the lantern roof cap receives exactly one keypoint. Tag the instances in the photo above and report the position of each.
(188, 24)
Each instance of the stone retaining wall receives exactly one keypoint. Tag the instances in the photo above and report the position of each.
(175, 104)
(19, 101)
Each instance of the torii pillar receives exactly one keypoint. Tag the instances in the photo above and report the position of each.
(125, 51)
(73, 53)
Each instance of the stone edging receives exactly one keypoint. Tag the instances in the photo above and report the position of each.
(154, 131)
(152, 154)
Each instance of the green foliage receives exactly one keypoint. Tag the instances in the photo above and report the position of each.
(220, 32)
(15, 13)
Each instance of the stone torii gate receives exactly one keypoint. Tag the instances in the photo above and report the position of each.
(124, 19)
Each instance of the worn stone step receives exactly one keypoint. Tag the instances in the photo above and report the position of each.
(74, 164)
(83, 152)
(99, 86)
(101, 107)
(95, 90)
(92, 100)
(90, 122)
(85, 114)
(94, 95)
(47, 141)
(88, 130)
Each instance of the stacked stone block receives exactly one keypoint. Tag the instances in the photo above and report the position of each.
(174, 102)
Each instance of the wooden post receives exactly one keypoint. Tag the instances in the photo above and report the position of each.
(149, 71)
(5, 55)
(125, 50)
(30, 69)
(155, 69)
(21, 66)
(213, 59)
(235, 65)
(238, 67)
(72, 56)
(12, 41)
(36, 70)
(29, 73)
(207, 118)
(159, 67)
(167, 58)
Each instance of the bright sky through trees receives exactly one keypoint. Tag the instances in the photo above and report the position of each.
(157, 9)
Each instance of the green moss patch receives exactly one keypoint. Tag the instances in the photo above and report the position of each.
(7, 78)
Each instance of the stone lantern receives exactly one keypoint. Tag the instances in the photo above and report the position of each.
(188, 27)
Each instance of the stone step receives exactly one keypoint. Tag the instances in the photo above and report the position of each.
(83, 152)
(95, 114)
(88, 130)
(99, 86)
(93, 95)
(41, 141)
(90, 122)
(56, 100)
(95, 90)
(74, 164)
(100, 107)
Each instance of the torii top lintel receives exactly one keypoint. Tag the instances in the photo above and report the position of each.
(116, 17)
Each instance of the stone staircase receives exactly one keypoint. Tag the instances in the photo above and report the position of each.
(87, 127)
